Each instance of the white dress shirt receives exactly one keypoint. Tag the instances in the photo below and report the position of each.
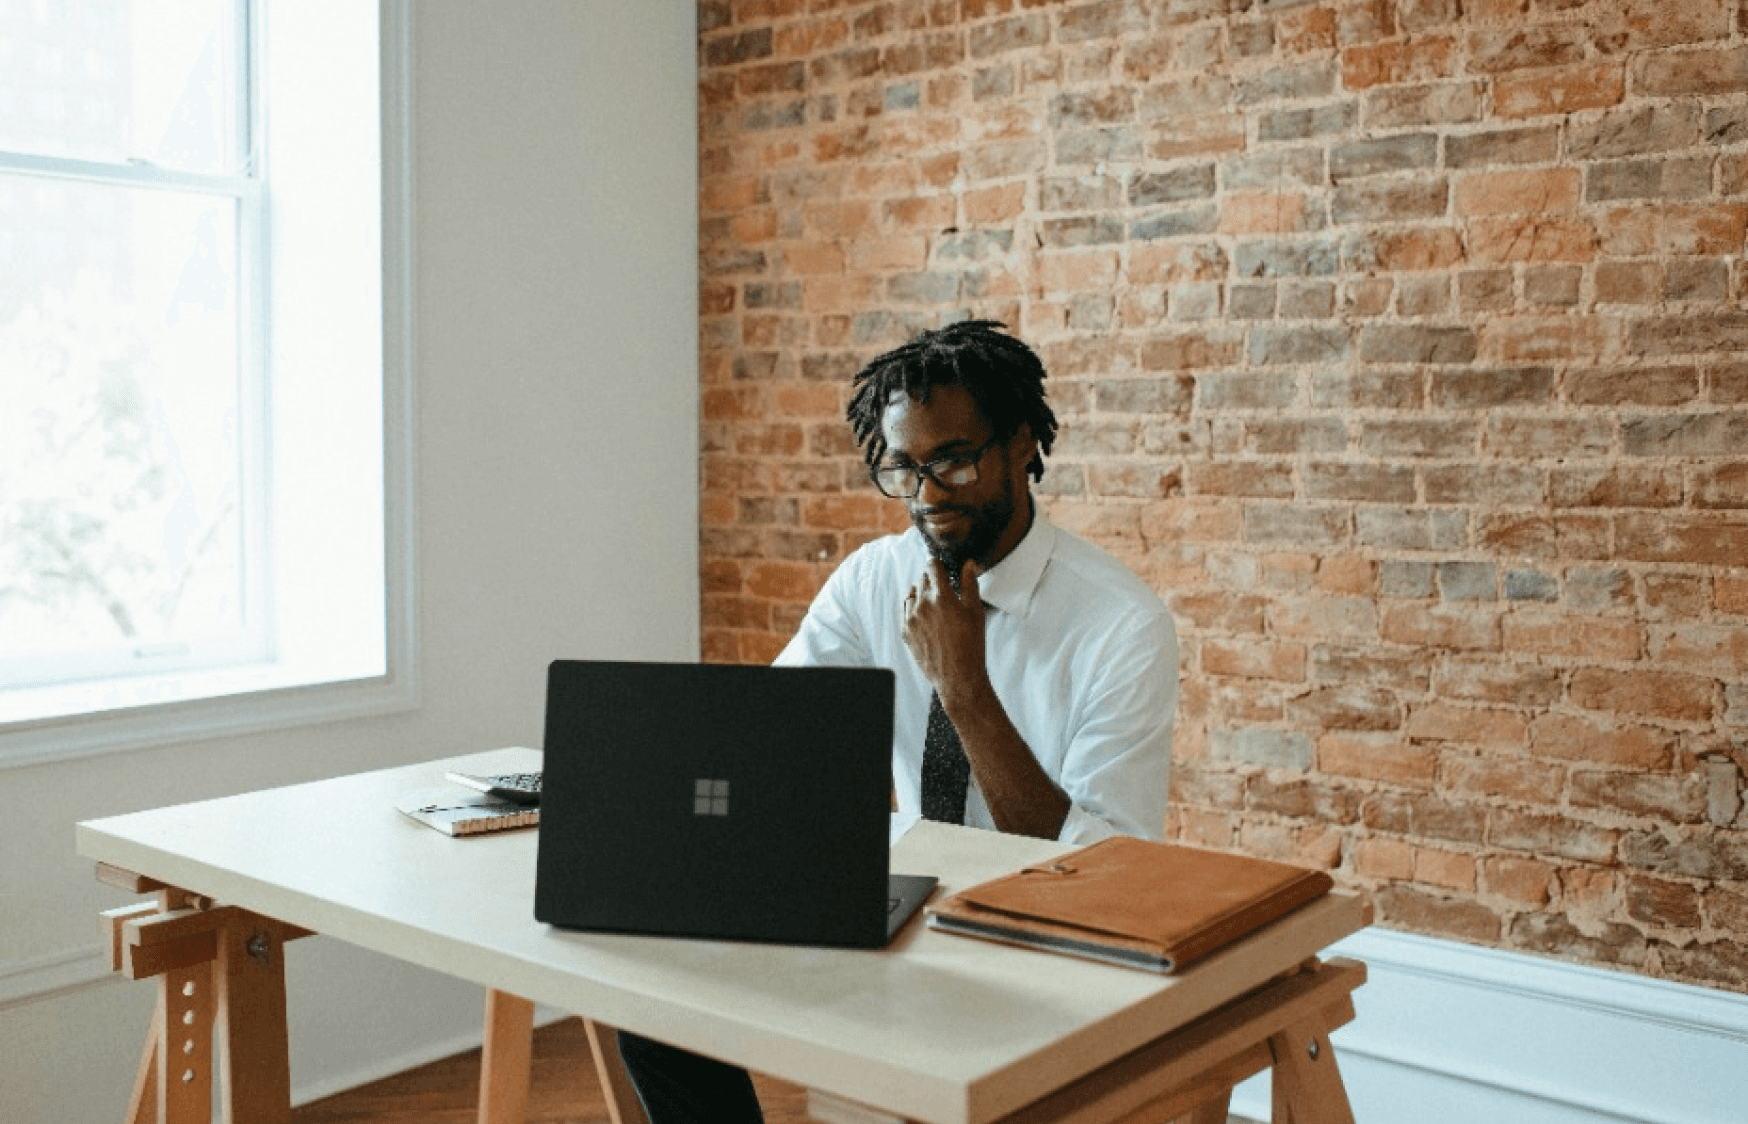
(1082, 654)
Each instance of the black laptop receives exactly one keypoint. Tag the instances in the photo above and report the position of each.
(721, 802)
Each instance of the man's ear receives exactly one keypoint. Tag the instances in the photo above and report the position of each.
(1023, 447)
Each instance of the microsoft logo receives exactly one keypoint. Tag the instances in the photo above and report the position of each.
(710, 798)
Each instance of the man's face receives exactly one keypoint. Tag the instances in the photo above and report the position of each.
(982, 520)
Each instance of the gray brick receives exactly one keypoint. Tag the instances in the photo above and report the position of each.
(1080, 193)
(1400, 578)
(1098, 146)
(974, 245)
(1295, 525)
(1531, 585)
(1175, 224)
(1411, 528)
(1193, 181)
(1383, 154)
(1251, 302)
(1282, 82)
(1245, 391)
(1168, 395)
(1307, 300)
(1686, 435)
(1300, 346)
(1275, 749)
(1302, 167)
(1533, 145)
(1480, 390)
(1388, 201)
(1397, 343)
(1386, 390)
(1692, 334)
(1314, 258)
(1301, 124)
(1634, 132)
(1086, 231)
(1467, 581)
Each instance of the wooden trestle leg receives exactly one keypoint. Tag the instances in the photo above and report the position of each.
(221, 1004)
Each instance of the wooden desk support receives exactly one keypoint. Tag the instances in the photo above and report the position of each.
(221, 999)
(1190, 1073)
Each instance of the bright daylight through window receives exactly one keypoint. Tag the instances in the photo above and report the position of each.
(191, 351)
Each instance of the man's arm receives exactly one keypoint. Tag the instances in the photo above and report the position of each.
(944, 630)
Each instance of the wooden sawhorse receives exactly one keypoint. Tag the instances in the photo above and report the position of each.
(221, 1004)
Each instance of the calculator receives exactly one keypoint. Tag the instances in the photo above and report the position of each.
(518, 788)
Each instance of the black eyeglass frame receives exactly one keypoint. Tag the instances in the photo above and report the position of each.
(916, 472)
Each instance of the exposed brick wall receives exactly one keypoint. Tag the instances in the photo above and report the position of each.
(1398, 343)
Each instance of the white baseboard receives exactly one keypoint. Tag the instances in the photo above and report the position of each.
(37, 978)
(1449, 1034)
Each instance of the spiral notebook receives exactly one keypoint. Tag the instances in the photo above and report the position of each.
(454, 810)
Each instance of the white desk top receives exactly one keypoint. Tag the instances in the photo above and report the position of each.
(936, 1027)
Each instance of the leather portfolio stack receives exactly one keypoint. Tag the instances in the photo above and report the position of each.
(1132, 901)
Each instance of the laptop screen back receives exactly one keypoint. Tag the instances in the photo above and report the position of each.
(745, 803)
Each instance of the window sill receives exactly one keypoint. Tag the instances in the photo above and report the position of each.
(135, 714)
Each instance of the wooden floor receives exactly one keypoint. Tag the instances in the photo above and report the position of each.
(563, 1090)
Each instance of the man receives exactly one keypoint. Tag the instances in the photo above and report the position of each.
(1036, 676)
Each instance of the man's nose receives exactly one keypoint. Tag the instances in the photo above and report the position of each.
(930, 491)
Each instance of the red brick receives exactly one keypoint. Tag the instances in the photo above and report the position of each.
(1517, 779)
(1266, 212)
(1396, 64)
(1730, 593)
(899, 251)
(1484, 726)
(992, 206)
(1525, 339)
(1450, 869)
(1522, 881)
(1220, 610)
(1644, 692)
(783, 581)
(1571, 738)
(1441, 627)
(1532, 238)
(1557, 634)
(1720, 649)
(1413, 250)
(1388, 859)
(1648, 538)
(1075, 272)
(1254, 659)
(1379, 758)
(1538, 93)
(1673, 228)
(1420, 912)
(1515, 191)
(1175, 263)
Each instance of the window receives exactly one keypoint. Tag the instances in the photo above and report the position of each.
(199, 366)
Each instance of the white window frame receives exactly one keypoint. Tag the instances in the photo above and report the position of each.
(242, 700)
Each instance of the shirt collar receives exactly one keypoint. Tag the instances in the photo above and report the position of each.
(1010, 583)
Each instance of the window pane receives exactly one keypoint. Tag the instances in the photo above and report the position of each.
(113, 80)
(120, 478)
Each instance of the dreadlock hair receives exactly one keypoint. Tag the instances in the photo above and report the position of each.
(1003, 376)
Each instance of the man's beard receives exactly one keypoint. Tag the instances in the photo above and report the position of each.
(986, 527)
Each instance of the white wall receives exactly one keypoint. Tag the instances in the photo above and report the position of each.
(556, 384)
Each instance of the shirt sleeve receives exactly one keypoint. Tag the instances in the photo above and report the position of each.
(830, 634)
(1117, 768)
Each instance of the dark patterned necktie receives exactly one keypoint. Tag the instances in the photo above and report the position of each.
(946, 772)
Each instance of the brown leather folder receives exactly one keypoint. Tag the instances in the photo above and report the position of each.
(1132, 901)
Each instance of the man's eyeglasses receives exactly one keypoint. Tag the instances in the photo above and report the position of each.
(903, 481)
